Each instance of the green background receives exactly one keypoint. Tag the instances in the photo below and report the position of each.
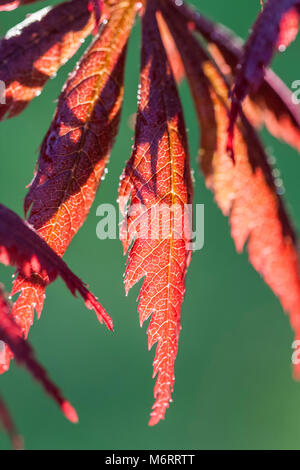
(233, 372)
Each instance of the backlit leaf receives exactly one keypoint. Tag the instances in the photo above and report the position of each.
(158, 182)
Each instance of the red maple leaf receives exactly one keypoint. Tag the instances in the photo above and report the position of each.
(157, 177)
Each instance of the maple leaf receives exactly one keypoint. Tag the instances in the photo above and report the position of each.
(11, 334)
(158, 174)
(245, 191)
(75, 151)
(33, 51)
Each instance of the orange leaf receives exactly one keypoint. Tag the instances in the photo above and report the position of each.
(157, 180)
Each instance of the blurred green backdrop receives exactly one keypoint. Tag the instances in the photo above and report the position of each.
(233, 375)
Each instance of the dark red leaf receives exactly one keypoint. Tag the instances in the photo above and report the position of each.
(33, 51)
(21, 246)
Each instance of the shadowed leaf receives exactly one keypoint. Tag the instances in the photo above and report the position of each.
(245, 191)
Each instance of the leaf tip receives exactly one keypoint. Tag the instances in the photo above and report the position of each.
(69, 412)
(92, 303)
(155, 419)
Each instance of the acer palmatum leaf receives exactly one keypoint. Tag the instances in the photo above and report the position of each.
(8, 5)
(76, 149)
(271, 104)
(246, 191)
(22, 247)
(258, 53)
(33, 51)
(157, 177)
(11, 334)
